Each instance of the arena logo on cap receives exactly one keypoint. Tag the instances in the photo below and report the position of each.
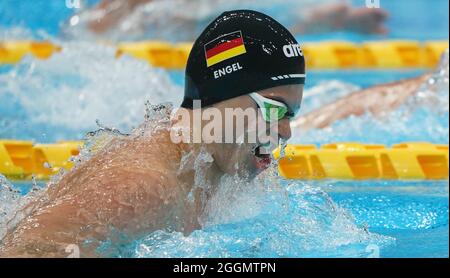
(292, 50)
(224, 47)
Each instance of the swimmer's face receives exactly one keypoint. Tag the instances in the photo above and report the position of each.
(249, 157)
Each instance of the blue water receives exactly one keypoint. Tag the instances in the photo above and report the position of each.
(408, 219)
(28, 14)
(61, 98)
(409, 19)
(415, 213)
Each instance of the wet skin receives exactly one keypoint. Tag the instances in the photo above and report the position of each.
(130, 188)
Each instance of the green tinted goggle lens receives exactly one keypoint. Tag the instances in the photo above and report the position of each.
(272, 110)
(272, 113)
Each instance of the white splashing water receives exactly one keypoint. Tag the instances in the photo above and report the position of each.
(15, 34)
(83, 83)
(9, 203)
(266, 219)
(325, 92)
(13, 206)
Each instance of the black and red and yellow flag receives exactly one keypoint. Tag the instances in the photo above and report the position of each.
(224, 47)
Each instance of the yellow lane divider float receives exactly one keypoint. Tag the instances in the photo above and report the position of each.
(365, 161)
(22, 159)
(321, 55)
(13, 51)
(424, 161)
(158, 54)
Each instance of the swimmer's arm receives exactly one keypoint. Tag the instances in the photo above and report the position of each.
(130, 202)
(376, 100)
(341, 16)
(112, 12)
(47, 233)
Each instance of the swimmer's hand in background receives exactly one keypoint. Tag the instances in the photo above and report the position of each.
(108, 13)
(366, 21)
(338, 17)
(318, 19)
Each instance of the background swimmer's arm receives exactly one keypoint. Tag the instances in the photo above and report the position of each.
(110, 12)
(376, 100)
(324, 18)
(341, 16)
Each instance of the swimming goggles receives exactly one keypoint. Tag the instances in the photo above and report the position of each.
(272, 110)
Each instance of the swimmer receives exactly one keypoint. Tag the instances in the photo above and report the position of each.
(118, 19)
(139, 184)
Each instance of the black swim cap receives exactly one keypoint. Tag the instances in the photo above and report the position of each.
(241, 52)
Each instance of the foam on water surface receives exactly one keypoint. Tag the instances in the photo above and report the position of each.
(62, 97)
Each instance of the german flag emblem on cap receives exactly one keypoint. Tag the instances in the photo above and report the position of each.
(224, 47)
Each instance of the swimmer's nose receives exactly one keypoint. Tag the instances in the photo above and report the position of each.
(284, 129)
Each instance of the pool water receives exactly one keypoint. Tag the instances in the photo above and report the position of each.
(414, 213)
(61, 98)
(407, 19)
(388, 219)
